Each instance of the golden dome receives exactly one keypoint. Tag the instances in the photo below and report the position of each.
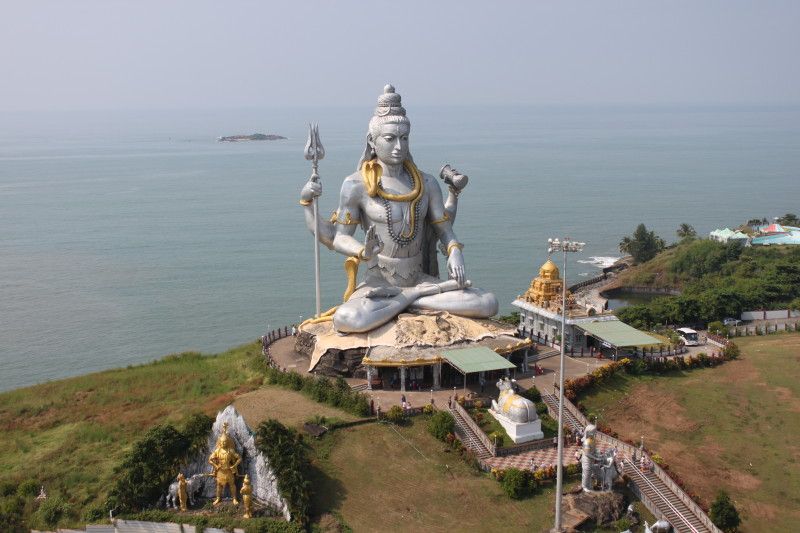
(549, 270)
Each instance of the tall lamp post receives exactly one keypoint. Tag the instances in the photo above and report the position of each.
(565, 245)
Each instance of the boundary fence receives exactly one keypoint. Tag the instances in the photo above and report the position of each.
(764, 329)
(271, 337)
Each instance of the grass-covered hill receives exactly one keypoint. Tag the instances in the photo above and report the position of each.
(733, 427)
(716, 281)
(70, 435)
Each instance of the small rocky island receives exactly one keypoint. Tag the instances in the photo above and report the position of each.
(253, 137)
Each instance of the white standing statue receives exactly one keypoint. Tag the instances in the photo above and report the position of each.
(402, 213)
(596, 468)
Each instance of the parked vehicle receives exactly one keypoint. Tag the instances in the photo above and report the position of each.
(731, 322)
(688, 336)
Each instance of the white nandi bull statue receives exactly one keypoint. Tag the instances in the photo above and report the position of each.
(513, 406)
(516, 414)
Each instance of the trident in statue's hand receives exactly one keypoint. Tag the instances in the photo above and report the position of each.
(313, 152)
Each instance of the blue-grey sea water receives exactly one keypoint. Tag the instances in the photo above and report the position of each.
(127, 236)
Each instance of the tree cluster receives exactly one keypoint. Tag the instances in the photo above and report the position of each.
(723, 281)
(153, 462)
(643, 245)
(789, 219)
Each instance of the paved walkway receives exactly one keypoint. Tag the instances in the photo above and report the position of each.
(541, 458)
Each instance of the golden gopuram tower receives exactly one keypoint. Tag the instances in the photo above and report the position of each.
(545, 289)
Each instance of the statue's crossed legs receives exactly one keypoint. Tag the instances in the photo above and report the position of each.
(370, 307)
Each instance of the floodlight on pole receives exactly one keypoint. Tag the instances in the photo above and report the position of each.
(565, 245)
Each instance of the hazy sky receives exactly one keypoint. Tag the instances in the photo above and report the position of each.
(173, 54)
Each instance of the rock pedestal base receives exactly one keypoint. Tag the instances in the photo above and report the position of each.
(598, 507)
(520, 433)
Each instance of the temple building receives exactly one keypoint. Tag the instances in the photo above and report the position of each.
(586, 326)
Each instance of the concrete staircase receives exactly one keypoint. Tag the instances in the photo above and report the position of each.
(468, 437)
(570, 420)
(672, 508)
(657, 496)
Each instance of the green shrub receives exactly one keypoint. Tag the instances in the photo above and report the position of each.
(94, 514)
(717, 328)
(724, 514)
(148, 468)
(196, 428)
(7, 488)
(321, 389)
(395, 415)
(623, 524)
(518, 484)
(12, 513)
(28, 488)
(731, 351)
(441, 424)
(287, 454)
(532, 394)
(52, 510)
(636, 367)
(221, 520)
(294, 380)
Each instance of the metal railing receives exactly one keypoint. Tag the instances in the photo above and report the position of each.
(476, 430)
(271, 337)
(664, 497)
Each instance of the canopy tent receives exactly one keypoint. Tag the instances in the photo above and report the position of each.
(476, 359)
(617, 334)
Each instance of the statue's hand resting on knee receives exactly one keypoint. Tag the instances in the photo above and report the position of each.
(455, 266)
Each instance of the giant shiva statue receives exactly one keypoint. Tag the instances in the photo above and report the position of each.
(402, 214)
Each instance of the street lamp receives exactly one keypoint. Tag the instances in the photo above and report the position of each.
(565, 245)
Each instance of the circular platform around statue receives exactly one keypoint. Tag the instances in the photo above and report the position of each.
(412, 339)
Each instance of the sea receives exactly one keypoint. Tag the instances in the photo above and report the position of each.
(126, 236)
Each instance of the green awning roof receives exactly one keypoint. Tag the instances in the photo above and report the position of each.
(618, 334)
(476, 359)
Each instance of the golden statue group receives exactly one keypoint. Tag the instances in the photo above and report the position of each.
(224, 461)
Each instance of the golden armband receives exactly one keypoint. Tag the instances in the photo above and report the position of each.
(452, 245)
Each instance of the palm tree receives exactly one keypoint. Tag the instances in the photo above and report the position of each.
(625, 245)
(686, 231)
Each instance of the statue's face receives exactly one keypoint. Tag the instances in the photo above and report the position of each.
(391, 146)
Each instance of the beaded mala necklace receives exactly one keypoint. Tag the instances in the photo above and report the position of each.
(413, 197)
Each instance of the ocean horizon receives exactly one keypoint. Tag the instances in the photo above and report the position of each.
(126, 236)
